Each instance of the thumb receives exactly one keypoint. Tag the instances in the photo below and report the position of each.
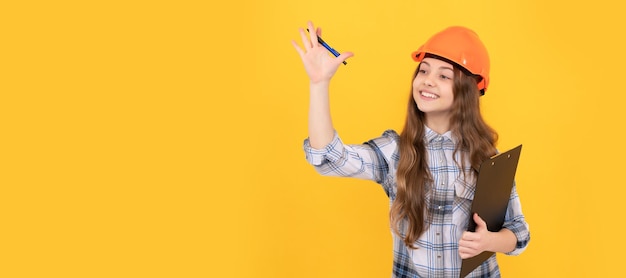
(480, 223)
(343, 56)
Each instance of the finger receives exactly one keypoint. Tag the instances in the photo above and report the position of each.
(468, 251)
(319, 31)
(297, 47)
(465, 252)
(468, 236)
(312, 35)
(305, 41)
(468, 245)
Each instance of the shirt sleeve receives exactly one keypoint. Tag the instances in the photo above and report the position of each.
(370, 160)
(515, 222)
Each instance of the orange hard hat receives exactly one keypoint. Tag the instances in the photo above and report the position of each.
(461, 46)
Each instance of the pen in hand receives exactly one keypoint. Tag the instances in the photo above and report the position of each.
(325, 45)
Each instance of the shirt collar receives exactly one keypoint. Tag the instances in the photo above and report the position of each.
(432, 136)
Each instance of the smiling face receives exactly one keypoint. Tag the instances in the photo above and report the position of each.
(432, 89)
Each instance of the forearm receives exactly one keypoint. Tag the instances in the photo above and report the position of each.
(503, 241)
(321, 130)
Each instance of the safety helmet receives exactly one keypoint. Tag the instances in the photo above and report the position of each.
(461, 46)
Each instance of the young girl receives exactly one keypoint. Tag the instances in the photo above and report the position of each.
(429, 169)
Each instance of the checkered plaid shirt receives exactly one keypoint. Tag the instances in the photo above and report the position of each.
(448, 203)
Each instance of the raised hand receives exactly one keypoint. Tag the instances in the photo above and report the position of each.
(319, 65)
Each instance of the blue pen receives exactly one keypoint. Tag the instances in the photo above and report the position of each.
(325, 45)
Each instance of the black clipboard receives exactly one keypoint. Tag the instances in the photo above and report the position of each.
(493, 189)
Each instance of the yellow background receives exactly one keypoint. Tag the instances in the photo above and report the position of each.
(163, 138)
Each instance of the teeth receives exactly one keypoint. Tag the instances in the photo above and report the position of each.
(429, 95)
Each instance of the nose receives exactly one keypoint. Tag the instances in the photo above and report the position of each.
(428, 80)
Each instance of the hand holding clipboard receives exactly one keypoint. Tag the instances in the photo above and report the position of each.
(491, 198)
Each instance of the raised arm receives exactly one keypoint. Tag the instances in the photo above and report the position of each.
(320, 67)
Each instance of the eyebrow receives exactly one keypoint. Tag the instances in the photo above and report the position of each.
(440, 67)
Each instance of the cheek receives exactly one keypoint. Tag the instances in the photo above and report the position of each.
(447, 90)
(416, 82)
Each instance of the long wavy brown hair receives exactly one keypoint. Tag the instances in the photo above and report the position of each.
(476, 142)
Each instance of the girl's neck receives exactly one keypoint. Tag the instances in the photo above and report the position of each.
(438, 123)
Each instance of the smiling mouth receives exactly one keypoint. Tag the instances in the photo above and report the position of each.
(429, 95)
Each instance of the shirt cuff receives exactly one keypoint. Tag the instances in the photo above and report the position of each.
(330, 153)
(523, 237)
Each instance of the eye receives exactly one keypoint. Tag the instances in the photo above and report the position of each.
(421, 71)
(445, 77)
